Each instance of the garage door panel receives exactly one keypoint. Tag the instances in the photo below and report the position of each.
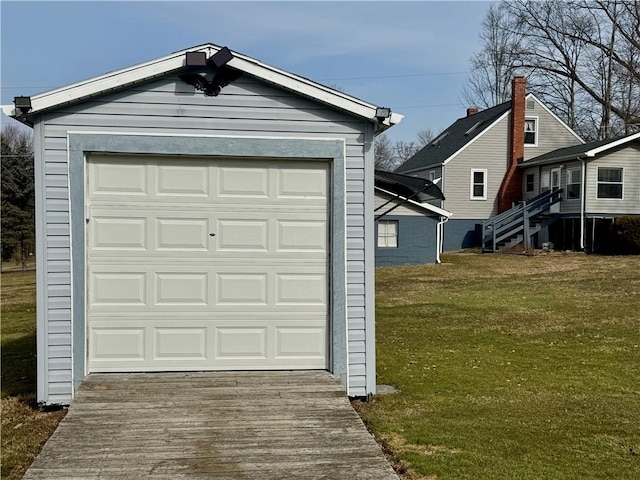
(182, 234)
(187, 180)
(172, 288)
(207, 264)
(118, 288)
(242, 235)
(304, 182)
(300, 342)
(241, 343)
(243, 182)
(118, 343)
(174, 343)
(117, 179)
(118, 233)
(301, 289)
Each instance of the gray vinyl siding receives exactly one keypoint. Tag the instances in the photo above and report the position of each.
(627, 158)
(552, 134)
(490, 151)
(245, 108)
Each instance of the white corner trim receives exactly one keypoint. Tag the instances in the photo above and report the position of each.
(470, 142)
(425, 206)
(621, 141)
(558, 119)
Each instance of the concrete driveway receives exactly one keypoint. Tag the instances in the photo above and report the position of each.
(218, 425)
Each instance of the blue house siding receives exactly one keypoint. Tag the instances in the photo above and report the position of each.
(461, 233)
(416, 242)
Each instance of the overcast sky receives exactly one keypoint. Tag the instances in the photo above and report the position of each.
(410, 56)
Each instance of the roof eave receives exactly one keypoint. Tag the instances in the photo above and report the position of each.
(145, 71)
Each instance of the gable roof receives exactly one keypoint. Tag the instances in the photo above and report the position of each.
(461, 133)
(176, 61)
(582, 151)
(413, 190)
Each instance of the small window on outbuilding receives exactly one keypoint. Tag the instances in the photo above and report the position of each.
(531, 131)
(388, 233)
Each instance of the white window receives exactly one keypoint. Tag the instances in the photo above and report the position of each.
(609, 182)
(545, 180)
(478, 189)
(531, 131)
(388, 233)
(574, 182)
(556, 175)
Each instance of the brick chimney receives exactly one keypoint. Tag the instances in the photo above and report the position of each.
(472, 111)
(511, 188)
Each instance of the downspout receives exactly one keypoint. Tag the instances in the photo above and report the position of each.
(583, 200)
(439, 237)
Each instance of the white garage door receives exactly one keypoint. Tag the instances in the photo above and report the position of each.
(206, 264)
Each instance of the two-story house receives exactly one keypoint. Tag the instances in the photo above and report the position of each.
(477, 158)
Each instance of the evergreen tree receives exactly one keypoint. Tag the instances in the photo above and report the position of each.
(18, 194)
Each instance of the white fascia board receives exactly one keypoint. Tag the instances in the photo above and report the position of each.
(621, 141)
(558, 119)
(175, 61)
(426, 206)
(112, 80)
(466, 145)
(309, 88)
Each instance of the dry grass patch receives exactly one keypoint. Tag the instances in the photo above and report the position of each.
(25, 429)
(25, 426)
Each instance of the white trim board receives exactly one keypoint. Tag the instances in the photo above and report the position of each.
(175, 61)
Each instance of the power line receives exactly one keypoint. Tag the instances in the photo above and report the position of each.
(399, 76)
(408, 75)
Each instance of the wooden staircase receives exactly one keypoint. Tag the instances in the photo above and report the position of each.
(519, 224)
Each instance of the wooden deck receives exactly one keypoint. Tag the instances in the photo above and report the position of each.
(219, 425)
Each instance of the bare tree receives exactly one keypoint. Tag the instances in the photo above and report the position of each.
(424, 137)
(497, 62)
(580, 57)
(383, 151)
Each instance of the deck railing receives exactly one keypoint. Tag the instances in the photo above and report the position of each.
(517, 221)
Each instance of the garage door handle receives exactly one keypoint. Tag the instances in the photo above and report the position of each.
(212, 234)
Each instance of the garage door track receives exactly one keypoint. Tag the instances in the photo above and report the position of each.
(219, 425)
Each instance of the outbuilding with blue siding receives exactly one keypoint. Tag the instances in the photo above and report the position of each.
(409, 220)
(203, 211)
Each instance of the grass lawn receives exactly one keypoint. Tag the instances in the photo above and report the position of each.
(510, 367)
(25, 427)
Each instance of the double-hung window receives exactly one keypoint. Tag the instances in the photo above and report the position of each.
(531, 131)
(574, 182)
(388, 233)
(478, 190)
(610, 181)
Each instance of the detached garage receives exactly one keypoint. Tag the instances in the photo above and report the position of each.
(203, 211)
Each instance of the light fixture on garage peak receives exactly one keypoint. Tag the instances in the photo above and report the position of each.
(196, 63)
(382, 113)
(23, 104)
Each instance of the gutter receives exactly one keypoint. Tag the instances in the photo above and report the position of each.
(440, 237)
